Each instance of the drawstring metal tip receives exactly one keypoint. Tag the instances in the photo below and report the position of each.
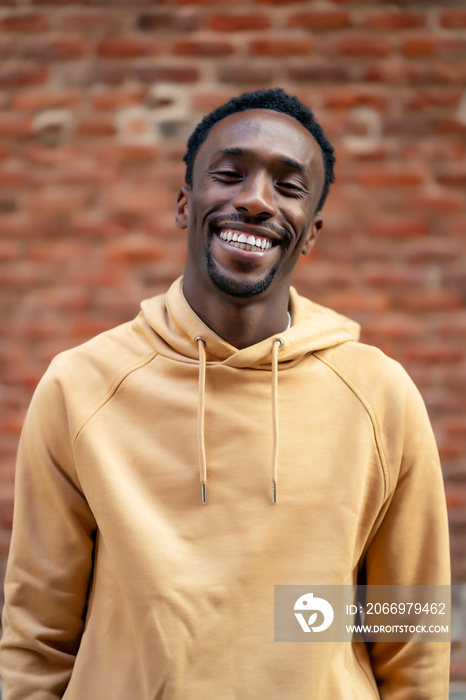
(274, 492)
(203, 493)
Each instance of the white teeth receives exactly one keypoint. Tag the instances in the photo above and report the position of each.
(243, 241)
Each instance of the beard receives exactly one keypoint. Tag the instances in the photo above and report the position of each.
(239, 290)
(232, 287)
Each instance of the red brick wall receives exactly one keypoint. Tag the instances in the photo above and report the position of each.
(96, 101)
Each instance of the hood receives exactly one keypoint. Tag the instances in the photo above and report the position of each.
(181, 335)
(177, 326)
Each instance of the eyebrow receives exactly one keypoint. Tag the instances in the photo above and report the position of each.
(289, 162)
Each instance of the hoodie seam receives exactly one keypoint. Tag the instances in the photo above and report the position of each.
(375, 426)
(109, 395)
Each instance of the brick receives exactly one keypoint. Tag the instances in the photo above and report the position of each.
(122, 154)
(433, 353)
(281, 46)
(395, 325)
(390, 176)
(431, 250)
(19, 75)
(135, 248)
(168, 21)
(245, 74)
(319, 72)
(101, 276)
(7, 48)
(91, 22)
(14, 178)
(453, 72)
(137, 199)
(15, 226)
(355, 96)
(450, 125)
(453, 19)
(419, 124)
(84, 173)
(352, 301)
(202, 48)
(206, 2)
(5, 151)
(429, 300)
(59, 48)
(398, 227)
(383, 275)
(95, 127)
(169, 74)
(61, 155)
(9, 250)
(103, 73)
(357, 45)
(203, 101)
(398, 20)
(110, 100)
(319, 20)
(15, 126)
(96, 227)
(22, 275)
(434, 150)
(436, 199)
(455, 176)
(128, 47)
(433, 46)
(69, 299)
(38, 100)
(395, 71)
(457, 426)
(24, 22)
(55, 200)
(280, 2)
(432, 97)
(238, 22)
(456, 497)
(323, 275)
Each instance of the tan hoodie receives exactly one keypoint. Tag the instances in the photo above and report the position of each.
(122, 585)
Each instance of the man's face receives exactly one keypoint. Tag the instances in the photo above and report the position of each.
(250, 213)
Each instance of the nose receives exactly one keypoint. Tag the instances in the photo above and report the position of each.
(256, 197)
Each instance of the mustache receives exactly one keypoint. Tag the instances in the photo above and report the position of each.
(235, 218)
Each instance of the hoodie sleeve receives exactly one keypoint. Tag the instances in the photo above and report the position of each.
(50, 562)
(410, 545)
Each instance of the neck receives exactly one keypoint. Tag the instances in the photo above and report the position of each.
(240, 322)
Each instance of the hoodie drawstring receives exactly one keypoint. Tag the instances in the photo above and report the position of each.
(277, 344)
(200, 417)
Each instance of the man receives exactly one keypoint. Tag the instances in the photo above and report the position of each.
(313, 452)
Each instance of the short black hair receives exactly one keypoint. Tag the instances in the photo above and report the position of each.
(275, 99)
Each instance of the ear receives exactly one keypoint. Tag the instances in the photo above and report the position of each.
(182, 208)
(312, 235)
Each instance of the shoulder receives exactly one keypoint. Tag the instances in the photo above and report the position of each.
(80, 379)
(392, 402)
(368, 370)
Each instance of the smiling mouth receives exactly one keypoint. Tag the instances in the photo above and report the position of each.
(245, 241)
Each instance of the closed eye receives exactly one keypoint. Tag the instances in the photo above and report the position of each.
(292, 188)
(227, 174)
